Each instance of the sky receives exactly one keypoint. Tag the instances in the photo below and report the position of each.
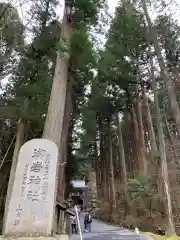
(112, 4)
(23, 7)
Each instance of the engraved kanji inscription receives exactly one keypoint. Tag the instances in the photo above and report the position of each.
(34, 180)
(39, 153)
(47, 158)
(34, 196)
(36, 166)
(25, 174)
(18, 215)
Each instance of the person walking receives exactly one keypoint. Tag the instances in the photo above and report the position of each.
(87, 222)
(73, 225)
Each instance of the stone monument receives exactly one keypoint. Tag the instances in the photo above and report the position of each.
(31, 207)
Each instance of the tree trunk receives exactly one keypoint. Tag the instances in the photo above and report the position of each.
(123, 165)
(103, 164)
(3, 191)
(170, 230)
(54, 119)
(19, 142)
(64, 141)
(69, 167)
(97, 168)
(98, 180)
(142, 145)
(171, 140)
(106, 172)
(129, 146)
(111, 176)
(53, 127)
(150, 128)
(169, 87)
(101, 159)
(142, 168)
(122, 154)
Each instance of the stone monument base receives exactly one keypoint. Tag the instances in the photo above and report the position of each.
(58, 237)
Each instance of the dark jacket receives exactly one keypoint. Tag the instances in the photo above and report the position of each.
(87, 218)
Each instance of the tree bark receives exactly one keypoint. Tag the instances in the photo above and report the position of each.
(18, 143)
(169, 87)
(136, 131)
(98, 179)
(111, 175)
(107, 189)
(64, 141)
(171, 140)
(54, 119)
(101, 158)
(150, 127)
(130, 148)
(142, 167)
(142, 145)
(122, 154)
(53, 127)
(69, 168)
(170, 230)
(123, 165)
(97, 168)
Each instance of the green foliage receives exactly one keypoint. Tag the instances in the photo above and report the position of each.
(81, 47)
(124, 51)
(117, 73)
(124, 48)
(30, 84)
(142, 190)
(140, 187)
(43, 12)
(80, 167)
(83, 60)
(45, 42)
(168, 32)
(69, 187)
(63, 48)
(11, 37)
(86, 12)
(11, 27)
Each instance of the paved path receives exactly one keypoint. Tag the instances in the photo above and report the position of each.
(103, 231)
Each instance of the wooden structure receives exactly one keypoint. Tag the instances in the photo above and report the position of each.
(78, 194)
(62, 224)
